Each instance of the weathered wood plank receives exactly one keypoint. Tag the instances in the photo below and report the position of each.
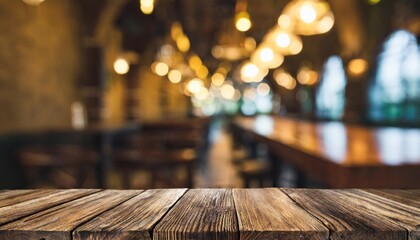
(133, 219)
(271, 214)
(16, 196)
(347, 215)
(200, 214)
(409, 197)
(58, 222)
(399, 206)
(45, 199)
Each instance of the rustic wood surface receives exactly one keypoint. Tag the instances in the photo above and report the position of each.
(402, 210)
(133, 219)
(271, 214)
(210, 214)
(349, 215)
(201, 214)
(58, 222)
(409, 197)
(13, 197)
(46, 200)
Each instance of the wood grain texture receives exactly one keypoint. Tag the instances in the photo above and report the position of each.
(45, 199)
(399, 206)
(200, 214)
(349, 216)
(271, 214)
(133, 219)
(409, 197)
(17, 196)
(58, 222)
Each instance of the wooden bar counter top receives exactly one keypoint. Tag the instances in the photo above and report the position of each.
(341, 155)
(270, 213)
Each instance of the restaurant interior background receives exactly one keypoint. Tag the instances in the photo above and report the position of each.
(137, 94)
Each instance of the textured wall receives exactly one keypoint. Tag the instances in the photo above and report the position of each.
(39, 64)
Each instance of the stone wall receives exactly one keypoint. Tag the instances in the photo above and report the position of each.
(39, 64)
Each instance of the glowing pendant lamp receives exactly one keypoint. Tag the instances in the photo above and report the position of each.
(307, 17)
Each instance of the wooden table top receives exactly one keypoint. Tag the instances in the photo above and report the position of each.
(270, 213)
(346, 145)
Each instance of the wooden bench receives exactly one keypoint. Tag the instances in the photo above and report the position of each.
(270, 213)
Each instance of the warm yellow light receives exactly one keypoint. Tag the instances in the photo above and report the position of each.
(222, 71)
(203, 94)
(161, 69)
(308, 17)
(374, 2)
(357, 67)
(284, 21)
(307, 13)
(266, 54)
(217, 79)
(202, 72)
(326, 23)
(195, 62)
(242, 21)
(307, 76)
(283, 40)
(146, 9)
(121, 66)
(176, 30)
(265, 57)
(263, 89)
(174, 76)
(147, 2)
(195, 85)
(183, 43)
(284, 79)
(217, 51)
(227, 91)
(147, 6)
(296, 47)
(249, 70)
(33, 2)
(250, 44)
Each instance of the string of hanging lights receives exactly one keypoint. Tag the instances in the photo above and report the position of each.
(299, 17)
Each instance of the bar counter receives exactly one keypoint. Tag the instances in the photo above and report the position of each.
(340, 155)
(270, 213)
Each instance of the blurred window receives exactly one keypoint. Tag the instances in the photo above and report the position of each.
(394, 95)
(330, 97)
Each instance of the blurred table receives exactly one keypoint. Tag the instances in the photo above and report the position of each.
(210, 214)
(341, 155)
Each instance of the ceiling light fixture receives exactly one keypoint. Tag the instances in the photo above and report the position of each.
(242, 19)
(33, 2)
(307, 17)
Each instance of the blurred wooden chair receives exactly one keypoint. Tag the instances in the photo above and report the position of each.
(161, 165)
(63, 166)
(254, 170)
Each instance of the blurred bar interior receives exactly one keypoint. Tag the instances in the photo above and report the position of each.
(212, 93)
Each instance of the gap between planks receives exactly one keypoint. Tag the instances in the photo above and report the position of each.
(141, 191)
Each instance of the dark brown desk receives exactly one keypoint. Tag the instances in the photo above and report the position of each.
(257, 214)
(340, 155)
